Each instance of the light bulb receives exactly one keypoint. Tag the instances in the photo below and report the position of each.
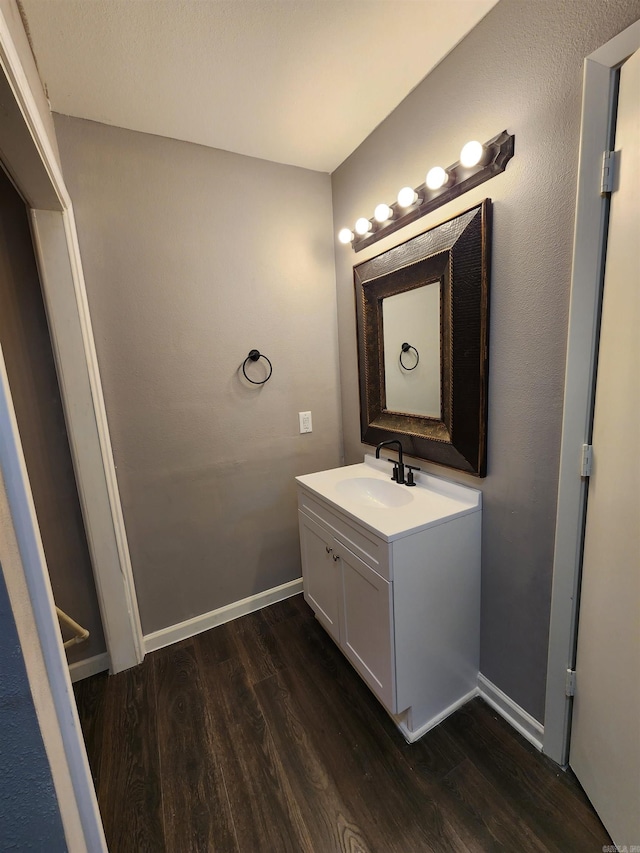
(345, 235)
(407, 197)
(363, 226)
(471, 154)
(436, 178)
(382, 213)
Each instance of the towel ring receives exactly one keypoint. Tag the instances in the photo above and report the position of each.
(254, 355)
(405, 348)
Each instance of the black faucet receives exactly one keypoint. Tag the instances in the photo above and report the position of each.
(398, 467)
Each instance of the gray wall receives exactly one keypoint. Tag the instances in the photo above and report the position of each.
(520, 69)
(29, 812)
(192, 257)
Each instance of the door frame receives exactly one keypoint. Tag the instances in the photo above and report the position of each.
(584, 317)
(29, 158)
(32, 164)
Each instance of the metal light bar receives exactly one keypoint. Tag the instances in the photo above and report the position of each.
(498, 152)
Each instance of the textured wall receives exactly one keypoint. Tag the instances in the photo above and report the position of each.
(192, 257)
(29, 813)
(519, 69)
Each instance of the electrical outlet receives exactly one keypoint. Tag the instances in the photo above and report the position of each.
(305, 421)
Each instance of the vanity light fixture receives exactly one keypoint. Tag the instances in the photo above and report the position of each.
(345, 235)
(477, 164)
(472, 154)
(382, 213)
(438, 177)
(363, 226)
(407, 197)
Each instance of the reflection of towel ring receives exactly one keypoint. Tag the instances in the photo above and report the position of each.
(254, 355)
(405, 348)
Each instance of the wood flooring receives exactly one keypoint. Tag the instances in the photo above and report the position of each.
(258, 737)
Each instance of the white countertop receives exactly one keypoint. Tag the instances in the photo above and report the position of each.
(430, 502)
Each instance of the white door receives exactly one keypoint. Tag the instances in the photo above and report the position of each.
(605, 740)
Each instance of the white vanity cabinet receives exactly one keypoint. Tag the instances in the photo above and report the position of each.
(350, 599)
(404, 608)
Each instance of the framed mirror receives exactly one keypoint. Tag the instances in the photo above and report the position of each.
(422, 312)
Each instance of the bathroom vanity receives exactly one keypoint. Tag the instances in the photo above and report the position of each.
(393, 575)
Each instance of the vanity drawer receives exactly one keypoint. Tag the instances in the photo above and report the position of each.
(360, 541)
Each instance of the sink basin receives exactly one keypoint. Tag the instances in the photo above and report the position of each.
(365, 493)
(372, 492)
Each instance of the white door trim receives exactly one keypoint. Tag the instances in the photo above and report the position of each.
(584, 313)
(65, 298)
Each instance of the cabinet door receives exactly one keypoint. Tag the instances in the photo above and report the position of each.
(368, 627)
(320, 574)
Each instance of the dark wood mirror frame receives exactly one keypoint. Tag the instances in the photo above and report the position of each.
(455, 256)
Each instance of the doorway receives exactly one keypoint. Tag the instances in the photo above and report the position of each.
(605, 734)
(592, 218)
(29, 156)
(29, 361)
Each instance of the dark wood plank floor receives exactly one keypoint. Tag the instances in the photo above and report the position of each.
(258, 737)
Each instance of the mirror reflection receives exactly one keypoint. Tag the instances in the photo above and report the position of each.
(412, 377)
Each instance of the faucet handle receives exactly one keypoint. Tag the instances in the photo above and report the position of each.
(410, 480)
(394, 476)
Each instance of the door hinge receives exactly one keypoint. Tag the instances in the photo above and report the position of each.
(608, 172)
(570, 683)
(586, 460)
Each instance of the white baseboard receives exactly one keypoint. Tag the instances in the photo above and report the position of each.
(413, 735)
(91, 666)
(198, 624)
(523, 722)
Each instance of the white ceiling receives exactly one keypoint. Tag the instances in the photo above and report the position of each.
(295, 81)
